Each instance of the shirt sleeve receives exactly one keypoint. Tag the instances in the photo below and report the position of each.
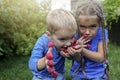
(37, 53)
(101, 37)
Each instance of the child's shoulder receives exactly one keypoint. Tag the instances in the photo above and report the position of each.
(100, 29)
(100, 35)
(99, 32)
(43, 39)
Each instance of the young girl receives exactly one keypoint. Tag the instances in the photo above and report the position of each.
(61, 27)
(90, 21)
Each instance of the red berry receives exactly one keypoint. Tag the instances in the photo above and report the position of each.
(50, 63)
(50, 44)
(88, 46)
(64, 50)
(49, 56)
(54, 74)
(74, 43)
(85, 35)
(51, 69)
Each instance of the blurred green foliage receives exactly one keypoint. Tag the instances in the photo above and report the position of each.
(112, 11)
(21, 23)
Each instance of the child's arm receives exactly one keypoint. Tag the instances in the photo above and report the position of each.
(95, 56)
(98, 56)
(41, 63)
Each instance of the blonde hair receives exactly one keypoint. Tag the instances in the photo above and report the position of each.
(60, 19)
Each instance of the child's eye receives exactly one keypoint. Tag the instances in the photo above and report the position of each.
(82, 26)
(93, 26)
(65, 39)
(62, 39)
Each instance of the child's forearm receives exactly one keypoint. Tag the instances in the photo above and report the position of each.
(41, 63)
(95, 56)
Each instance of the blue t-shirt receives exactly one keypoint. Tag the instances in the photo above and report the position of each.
(93, 69)
(40, 49)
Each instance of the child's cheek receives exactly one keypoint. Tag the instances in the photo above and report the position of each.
(59, 45)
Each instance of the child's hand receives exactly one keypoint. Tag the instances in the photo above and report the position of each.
(79, 45)
(82, 40)
(74, 50)
(64, 54)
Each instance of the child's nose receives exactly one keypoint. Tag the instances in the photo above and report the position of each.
(87, 31)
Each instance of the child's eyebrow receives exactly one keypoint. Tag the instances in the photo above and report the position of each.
(93, 25)
(89, 25)
(82, 26)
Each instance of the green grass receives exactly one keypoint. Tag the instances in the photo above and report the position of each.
(16, 68)
(114, 62)
(67, 66)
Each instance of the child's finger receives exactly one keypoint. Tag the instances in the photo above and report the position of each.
(79, 42)
(64, 54)
(46, 61)
(86, 41)
(70, 51)
(74, 51)
(81, 38)
(79, 50)
(78, 46)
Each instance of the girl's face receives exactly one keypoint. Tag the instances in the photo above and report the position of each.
(88, 25)
(63, 38)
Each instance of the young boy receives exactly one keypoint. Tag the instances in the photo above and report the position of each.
(61, 27)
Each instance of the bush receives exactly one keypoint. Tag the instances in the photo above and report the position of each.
(112, 11)
(21, 23)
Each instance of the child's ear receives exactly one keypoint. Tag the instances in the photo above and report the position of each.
(48, 34)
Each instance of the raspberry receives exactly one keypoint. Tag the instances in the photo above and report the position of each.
(49, 56)
(64, 50)
(88, 46)
(74, 43)
(50, 44)
(54, 74)
(50, 63)
(51, 69)
(85, 35)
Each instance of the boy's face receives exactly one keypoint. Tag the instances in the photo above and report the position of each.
(63, 37)
(88, 25)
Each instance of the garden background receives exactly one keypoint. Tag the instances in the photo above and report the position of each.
(22, 22)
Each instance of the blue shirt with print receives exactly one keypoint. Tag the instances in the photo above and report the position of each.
(40, 49)
(93, 69)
